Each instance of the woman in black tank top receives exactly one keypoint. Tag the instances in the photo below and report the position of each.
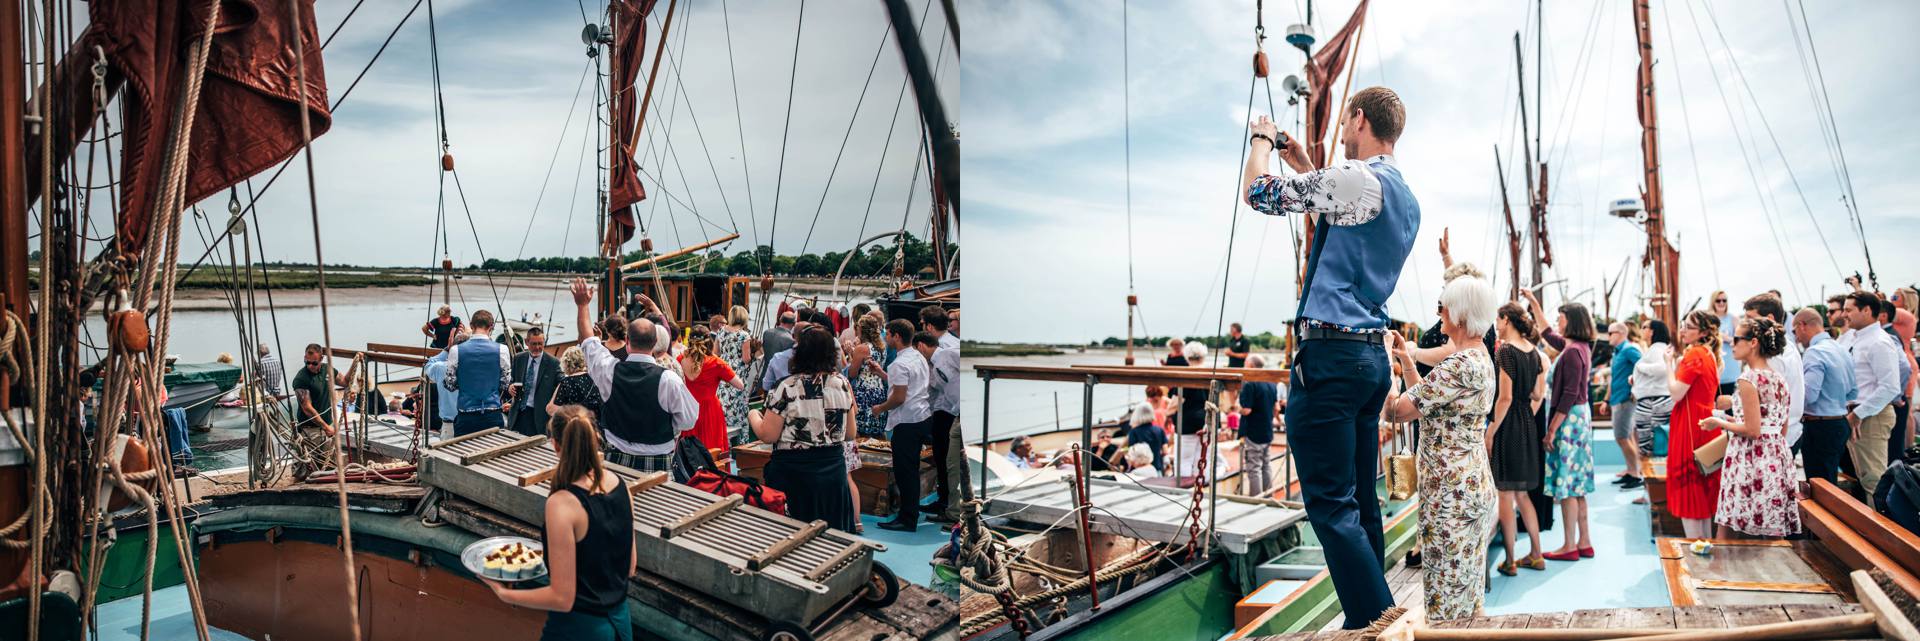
(588, 539)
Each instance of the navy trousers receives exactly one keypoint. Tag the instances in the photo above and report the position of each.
(1823, 445)
(1334, 400)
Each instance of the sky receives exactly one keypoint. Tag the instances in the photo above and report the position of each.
(513, 72)
(1056, 95)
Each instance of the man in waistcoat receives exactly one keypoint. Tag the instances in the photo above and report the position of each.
(1365, 220)
(647, 406)
(478, 372)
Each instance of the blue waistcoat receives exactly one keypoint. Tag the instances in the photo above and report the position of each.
(478, 376)
(1360, 265)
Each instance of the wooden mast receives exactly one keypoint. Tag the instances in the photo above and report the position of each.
(1661, 258)
(1513, 232)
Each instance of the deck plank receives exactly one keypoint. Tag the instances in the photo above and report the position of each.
(1738, 616)
(1644, 618)
(1591, 619)
(1699, 617)
(1548, 621)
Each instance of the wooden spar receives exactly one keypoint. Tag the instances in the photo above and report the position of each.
(1661, 257)
(1190, 377)
(1513, 232)
(1246, 374)
(651, 260)
(13, 185)
(1534, 219)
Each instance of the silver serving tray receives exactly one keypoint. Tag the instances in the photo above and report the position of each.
(474, 557)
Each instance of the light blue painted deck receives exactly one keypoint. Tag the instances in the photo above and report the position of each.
(1625, 571)
(120, 620)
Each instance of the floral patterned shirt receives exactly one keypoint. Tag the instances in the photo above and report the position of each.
(1347, 192)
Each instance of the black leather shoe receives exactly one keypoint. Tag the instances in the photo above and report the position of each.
(898, 526)
(1633, 482)
(933, 509)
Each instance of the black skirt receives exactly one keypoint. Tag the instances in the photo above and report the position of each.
(815, 481)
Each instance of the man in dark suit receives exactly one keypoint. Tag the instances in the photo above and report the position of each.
(535, 375)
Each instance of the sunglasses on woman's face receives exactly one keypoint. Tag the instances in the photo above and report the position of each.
(1737, 338)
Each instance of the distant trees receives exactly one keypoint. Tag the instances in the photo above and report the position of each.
(876, 260)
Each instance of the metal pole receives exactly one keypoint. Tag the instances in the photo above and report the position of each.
(1086, 414)
(1081, 503)
(986, 403)
(1212, 453)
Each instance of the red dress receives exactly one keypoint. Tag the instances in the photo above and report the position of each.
(1691, 495)
(711, 426)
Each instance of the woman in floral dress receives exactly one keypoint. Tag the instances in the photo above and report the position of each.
(869, 379)
(730, 344)
(1457, 511)
(1757, 480)
(1569, 437)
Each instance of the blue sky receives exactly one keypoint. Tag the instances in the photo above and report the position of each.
(1045, 151)
(511, 69)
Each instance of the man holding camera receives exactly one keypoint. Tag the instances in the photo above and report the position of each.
(1365, 220)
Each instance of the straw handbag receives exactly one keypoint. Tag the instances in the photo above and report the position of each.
(1403, 476)
(1711, 454)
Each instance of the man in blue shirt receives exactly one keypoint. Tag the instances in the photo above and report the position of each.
(1258, 401)
(1829, 379)
(1620, 398)
(1364, 219)
(436, 371)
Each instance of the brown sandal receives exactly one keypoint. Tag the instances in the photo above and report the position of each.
(1533, 562)
(1506, 568)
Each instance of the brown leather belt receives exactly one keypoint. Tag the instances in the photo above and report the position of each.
(1810, 417)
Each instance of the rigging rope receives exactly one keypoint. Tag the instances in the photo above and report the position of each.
(740, 127)
(1840, 153)
(1666, 16)
(851, 120)
(551, 162)
(793, 74)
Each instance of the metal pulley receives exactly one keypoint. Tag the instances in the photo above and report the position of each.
(446, 161)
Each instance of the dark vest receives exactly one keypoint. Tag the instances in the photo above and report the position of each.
(632, 411)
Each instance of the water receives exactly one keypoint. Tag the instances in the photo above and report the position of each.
(1026, 407)
(357, 317)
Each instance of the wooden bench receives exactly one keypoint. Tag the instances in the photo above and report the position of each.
(1860, 537)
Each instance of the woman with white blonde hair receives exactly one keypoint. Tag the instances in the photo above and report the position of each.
(1140, 461)
(1192, 412)
(1456, 485)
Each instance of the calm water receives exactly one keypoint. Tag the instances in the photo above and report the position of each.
(392, 317)
(1023, 407)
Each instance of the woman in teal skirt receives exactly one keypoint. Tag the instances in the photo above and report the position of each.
(1569, 443)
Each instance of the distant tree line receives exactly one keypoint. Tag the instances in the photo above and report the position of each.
(877, 260)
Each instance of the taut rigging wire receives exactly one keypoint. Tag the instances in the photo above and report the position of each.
(1680, 85)
(1840, 152)
(753, 218)
(851, 120)
(792, 74)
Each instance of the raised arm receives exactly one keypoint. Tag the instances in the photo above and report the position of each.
(582, 295)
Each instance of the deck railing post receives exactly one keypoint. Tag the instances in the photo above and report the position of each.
(986, 416)
(1086, 413)
(1212, 455)
(1082, 504)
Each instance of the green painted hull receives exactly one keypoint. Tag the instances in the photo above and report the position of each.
(1317, 604)
(1199, 608)
(124, 571)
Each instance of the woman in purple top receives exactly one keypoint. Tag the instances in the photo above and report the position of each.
(1568, 444)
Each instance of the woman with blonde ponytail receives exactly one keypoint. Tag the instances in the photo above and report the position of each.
(704, 373)
(588, 540)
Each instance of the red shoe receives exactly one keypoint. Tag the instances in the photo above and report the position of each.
(1569, 555)
(1586, 553)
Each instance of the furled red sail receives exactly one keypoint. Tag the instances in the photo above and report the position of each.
(248, 116)
(1327, 65)
(629, 46)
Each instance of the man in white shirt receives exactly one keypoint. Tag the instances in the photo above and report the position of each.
(1787, 363)
(1876, 369)
(946, 406)
(647, 406)
(908, 411)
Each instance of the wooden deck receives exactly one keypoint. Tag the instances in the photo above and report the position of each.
(1403, 581)
(1691, 617)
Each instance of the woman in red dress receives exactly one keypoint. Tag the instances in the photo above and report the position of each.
(1692, 496)
(704, 373)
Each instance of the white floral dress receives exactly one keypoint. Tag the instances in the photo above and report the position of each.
(1456, 484)
(730, 347)
(1757, 483)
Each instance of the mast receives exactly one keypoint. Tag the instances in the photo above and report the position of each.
(941, 136)
(1513, 232)
(1661, 258)
(13, 177)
